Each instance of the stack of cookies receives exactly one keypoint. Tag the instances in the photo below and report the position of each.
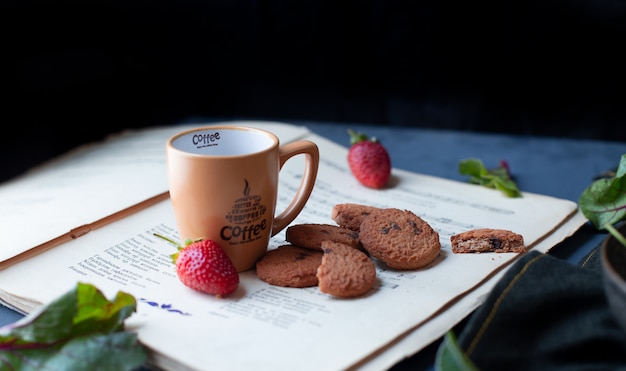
(338, 258)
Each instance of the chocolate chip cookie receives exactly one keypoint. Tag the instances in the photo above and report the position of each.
(289, 266)
(312, 235)
(351, 215)
(345, 271)
(399, 238)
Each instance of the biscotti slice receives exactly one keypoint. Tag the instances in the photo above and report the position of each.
(345, 271)
(289, 266)
(487, 240)
(351, 215)
(399, 238)
(312, 235)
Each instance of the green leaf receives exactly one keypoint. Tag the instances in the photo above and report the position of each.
(604, 201)
(621, 168)
(450, 356)
(77, 331)
(497, 178)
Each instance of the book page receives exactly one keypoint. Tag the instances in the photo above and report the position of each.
(269, 327)
(91, 183)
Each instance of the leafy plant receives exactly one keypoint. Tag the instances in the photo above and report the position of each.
(498, 178)
(80, 330)
(604, 201)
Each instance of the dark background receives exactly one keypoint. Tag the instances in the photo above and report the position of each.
(75, 71)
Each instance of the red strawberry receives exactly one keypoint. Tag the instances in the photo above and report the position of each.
(204, 266)
(368, 160)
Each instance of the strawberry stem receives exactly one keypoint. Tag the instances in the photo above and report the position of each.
(356, 137)
(186, 243)
(174, 256)
(167, 239)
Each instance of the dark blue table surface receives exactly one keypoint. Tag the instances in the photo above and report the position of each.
(557, 167)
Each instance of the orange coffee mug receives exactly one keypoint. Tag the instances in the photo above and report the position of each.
(223, 184)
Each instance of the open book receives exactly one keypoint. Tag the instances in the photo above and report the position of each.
(90, 216)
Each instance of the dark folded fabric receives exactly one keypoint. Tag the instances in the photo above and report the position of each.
(546, 314)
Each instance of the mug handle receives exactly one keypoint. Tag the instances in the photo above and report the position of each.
(312, 159)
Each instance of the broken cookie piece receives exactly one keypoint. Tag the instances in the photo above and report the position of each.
(487, 240)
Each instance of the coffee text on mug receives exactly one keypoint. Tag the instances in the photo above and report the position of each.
(247, 233)
(205, 138)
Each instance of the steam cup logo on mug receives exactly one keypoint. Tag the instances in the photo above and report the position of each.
(223, 183)
(245, 216)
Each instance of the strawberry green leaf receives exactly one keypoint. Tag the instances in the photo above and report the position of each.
(498, 178)
(604, 201)
(451, 357)
(356, 137)
(77, 331)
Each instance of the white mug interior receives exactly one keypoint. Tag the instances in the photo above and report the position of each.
(221, 141)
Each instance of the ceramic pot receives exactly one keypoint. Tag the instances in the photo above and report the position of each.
(613, 261)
